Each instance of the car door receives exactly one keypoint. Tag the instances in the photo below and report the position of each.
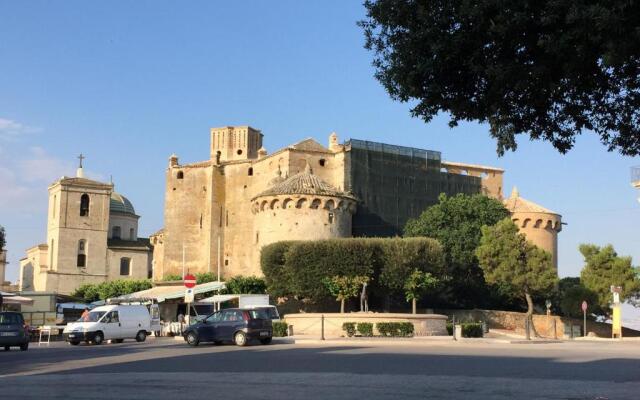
(111, 325)
(231, 321)
(208, 329)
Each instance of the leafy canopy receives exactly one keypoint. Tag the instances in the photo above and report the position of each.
(344, 287)
(603, 268)
(456, 223)
(542, 68)
(419, 283)
(246, 285)
(519, 267)
(107, 290)
(571, 303)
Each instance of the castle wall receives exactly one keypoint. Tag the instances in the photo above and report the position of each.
(139, 265)
(540, 229)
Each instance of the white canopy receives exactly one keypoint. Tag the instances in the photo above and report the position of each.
(162, 293)
(12, 298)
(219, 298)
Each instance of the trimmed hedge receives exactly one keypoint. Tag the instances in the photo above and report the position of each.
(469, 329)
(298, 268)
(280, 329)
(395, 329)
(365, 329)
(349, 328)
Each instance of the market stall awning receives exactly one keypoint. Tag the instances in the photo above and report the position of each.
(219, 298)
(162, 293)
(14, 299)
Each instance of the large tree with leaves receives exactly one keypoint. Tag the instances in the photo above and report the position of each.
(519, 268)
(546, 69)
(603, 268)
(456, 223)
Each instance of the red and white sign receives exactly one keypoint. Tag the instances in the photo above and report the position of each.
(189, 281)
(584, 306)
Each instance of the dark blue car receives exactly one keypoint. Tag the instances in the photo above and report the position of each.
(233, 324)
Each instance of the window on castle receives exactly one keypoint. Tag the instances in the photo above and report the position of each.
(331, 218)
(82, 257)
(180, 175)
(116, 232)
(250, 172)
(125, 266)
(322, 162)
(84, 205)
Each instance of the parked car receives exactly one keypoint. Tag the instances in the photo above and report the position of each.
(111, 322)
(232, 324)
(13, 331)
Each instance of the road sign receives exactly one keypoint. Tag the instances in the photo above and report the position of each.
(189, 281)
(584, 306)
(188, 295)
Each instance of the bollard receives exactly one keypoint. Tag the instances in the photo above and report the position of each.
(555, 333)
(322, 327)
(527, 329)
(453, 327)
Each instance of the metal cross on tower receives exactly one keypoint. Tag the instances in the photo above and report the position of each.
(81, 157)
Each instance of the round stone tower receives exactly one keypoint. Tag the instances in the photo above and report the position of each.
(302, 207)
(539, 225)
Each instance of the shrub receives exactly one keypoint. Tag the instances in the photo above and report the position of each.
(349, 328)
(365, 329)
(107, 290)
(276, 275)
(395, 329)
(171, 278)
(405, 329)
(280, 329)
(246, 285)
(472, 329)
(450, 328)
(204, 277)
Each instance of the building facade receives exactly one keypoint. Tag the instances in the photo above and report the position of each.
(91, 238)
(220, 212)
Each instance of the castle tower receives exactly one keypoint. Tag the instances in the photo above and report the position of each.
(235, 143)
(302, 207)
(538, 224)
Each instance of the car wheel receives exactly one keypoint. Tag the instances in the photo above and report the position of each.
(118, 340)
(265, 341)
(240, 339)
(74, 343)
(98, 338)
(7, 348)
(192, 339)
(141, 336)
(24, 347)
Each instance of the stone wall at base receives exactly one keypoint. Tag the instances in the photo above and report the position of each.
(512, 320)
(310, 324)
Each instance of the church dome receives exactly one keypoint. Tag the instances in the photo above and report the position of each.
(120, 204)
(303, 183)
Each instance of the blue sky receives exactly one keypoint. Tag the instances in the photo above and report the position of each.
(129, 83)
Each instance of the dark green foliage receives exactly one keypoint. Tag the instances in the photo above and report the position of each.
(349, 328)
(395, 329)
(456, 223)
(469, 329)
(605, 268)
(171, 278)
(545, 69)
(365, 329)
(276, 275)
(449, 328)
(246, 285)
(301, 269)
(107, 290)
(205, 277)
(279, 329)
(571, 302)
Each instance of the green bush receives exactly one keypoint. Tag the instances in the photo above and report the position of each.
(395, 329)
(205, 277)
(276, 275)
(469, 329)
(111, 289)
(349, 328)
(246, 285)
(171, 278)
(450, 328)
(365, 329)
(279, 329)
(405, 329)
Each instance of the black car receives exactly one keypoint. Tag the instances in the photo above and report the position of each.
(13, 331)
(233, 324)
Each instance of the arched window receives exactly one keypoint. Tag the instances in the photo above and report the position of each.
(125, 266)
(115, 232)
(180, 175)
(55, 205)
(250, 172)
(84, 205)
(322, 161)
(82, 257)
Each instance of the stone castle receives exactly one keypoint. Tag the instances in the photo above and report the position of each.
(220, 212)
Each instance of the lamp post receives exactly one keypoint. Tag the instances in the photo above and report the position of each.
(548, 304)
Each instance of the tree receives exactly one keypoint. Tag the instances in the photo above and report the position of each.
(111, 289)
(571, 302)
(417, 284)
(456, 223)
(542, 68)
(605, 268)
(344, 287)
(246, 285)
(519, 267)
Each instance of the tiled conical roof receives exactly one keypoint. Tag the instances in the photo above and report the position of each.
(517, 204)
(304, 182)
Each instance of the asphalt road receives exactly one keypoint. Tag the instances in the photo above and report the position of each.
(168, 369)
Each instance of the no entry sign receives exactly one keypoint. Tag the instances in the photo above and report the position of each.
(189, 281)
(584, 306)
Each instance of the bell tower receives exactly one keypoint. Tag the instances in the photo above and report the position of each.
(232, 143)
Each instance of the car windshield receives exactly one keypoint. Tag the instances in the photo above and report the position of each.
(10, 319)
(93, 316)
(259, 313)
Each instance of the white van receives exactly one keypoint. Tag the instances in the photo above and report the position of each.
(111, 322)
